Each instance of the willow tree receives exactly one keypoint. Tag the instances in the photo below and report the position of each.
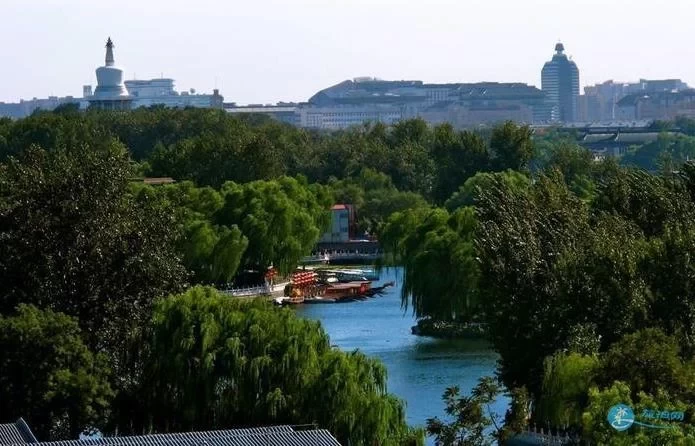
(437, 253)
(282, 219)
(217, 362)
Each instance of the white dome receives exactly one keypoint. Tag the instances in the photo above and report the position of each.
(110, 78)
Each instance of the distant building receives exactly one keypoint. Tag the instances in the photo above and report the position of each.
(560, 82)
(662, 105)
(489, 103)
(27, 107)
(599, 103)
(150, 92)
(111, 92)
(287, 113)
(342, 224)
(354, 102)
(612, 139)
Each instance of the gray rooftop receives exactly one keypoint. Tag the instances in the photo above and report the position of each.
(16, 433)
(259, 436)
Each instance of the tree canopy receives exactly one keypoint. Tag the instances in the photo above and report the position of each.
(217, 362)
(49, 376)
(73, 239)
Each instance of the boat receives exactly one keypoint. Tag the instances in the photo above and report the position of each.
(319, 300)
(347, 291)
(294, 300)
(351, 275)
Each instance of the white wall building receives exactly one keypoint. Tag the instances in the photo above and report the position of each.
(115, 94)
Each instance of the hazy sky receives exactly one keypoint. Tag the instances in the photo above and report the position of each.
(263, 51)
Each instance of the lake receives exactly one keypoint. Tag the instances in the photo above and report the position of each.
(419, 368)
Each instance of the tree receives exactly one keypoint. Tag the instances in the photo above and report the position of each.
(511, 146)
(467, 194)
(281, 219)
(598, 431)
(458, 156)
(74, 240)
(651, 202)
(677, 149)
(49, 377)
(521, 238)
(473, 422)
(213, 253)
(648, 361)
(218, 363)
(374, 197)
(566, 382)
(427, 243)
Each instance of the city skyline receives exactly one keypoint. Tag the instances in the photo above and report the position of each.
(289, 51)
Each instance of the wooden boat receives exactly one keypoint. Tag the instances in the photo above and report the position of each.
(347, 291)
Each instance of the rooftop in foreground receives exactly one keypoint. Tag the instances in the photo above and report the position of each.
(18, 434)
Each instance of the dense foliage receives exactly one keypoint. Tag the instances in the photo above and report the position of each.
(584, 279)
(74, 240)
(428, 243)
(217, 362)
(581, 271)
(87, 250)
(49, 376)
(210, 147)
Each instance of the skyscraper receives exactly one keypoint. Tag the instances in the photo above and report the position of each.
(560, 82)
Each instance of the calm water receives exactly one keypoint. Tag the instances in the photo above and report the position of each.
(419, 368)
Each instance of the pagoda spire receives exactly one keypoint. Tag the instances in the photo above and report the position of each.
(109, 53)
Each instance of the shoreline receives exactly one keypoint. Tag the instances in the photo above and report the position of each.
(449, 330)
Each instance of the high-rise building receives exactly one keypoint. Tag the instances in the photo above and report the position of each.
(560, 82)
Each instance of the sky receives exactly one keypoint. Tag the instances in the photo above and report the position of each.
(265, 51)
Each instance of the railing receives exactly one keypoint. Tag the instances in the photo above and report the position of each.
(261, 290)
(539, 436)
(341, 256)
(248, 291)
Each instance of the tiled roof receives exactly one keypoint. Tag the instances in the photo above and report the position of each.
(261, 436)
(16, 433)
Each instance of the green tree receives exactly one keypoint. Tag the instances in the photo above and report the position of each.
(648, 361)
(473, 423)
(281, 219)
(458, 156)
(566, 382)
(467, 194)
(374, 197)
(49, 377)
(437, 242)
(218, 363)
(74, 240)
(511, 146)
(521, 238)
(597, 430)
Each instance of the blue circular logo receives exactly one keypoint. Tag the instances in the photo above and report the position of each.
(621, 417)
